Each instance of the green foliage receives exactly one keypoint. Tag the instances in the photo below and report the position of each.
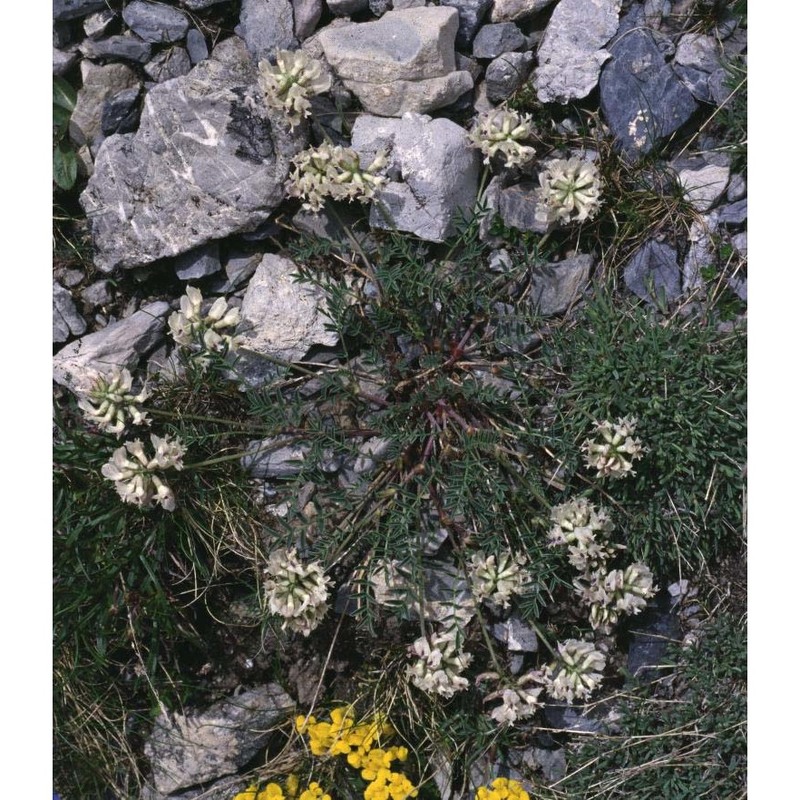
(685, 382)
(65, 162)
(694, 745)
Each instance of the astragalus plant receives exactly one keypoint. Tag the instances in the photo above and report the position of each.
(291, 82)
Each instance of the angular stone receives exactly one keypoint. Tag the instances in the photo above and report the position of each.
(344, 8)
(155, 22)
(506, 74)
(737, 188)
(379, 7)
(97, 294)
(120, 112)
(512, 10)
(734, 213)
(696, 81)
(95, 25)
(494, 40)
(280, 318)
(275, 458)
(571, 54)
(470, 16)
(702, 251)
(171, 63)
(306, 17)
(186, 749)
(653, 273)
(517, 207)
(698, 51)
(516, 635)
(419, 97)
(267, 26)
(196, 46)
(703, 187)
(438, 168)
(126, 48)
(641, 98)
(198, 263)
(199, 5)
(209, 159)
(121, 344)
(558, 285)
(63, 60)
(66, 319)
(652, 633)
(99, 84)
(72, 9)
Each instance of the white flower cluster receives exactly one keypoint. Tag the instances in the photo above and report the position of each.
(503, 131)
(190, 328)
(584, 530)
(336, 172)
(609, 594)
(576, 672)
(439, 664)
(613, 449)
(496, 578)
(569, 191)
(295, 591)
(518, 701)
(110, 402)
(134, 472)
(290, 83)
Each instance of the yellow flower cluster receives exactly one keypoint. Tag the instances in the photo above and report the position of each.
(273, 791)
(502, 789)
(360, 744)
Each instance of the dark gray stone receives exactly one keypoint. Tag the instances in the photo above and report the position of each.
(95, 25)
(734, 213)
(641, 98)
(62, 35)
(565, 717)
(199, 5)
(198, 263)
(516, 635)
(494, 40)
(155, 22)
(739, 287)
(209, 159)
(72, 9)
(512, 10)
(379, 7)
(66, 319)
(306, 17)
(653, 272)
(345, 8)
(652, 632)
(267, 26)
(97, 294)
(171, 63)
(470, 16)
(275, 458)
(737, 188)
(196, 46)
(336, 222)
(121, 112)
(63, 60)
(506, 74)
(517, 207)
(127, 48)
(558, 285)
(696, 81)
(240, 267)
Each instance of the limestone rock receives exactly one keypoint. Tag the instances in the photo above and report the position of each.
(280, 318)
(196, 46)
(571, 54)
(557, 286)
(438, 172)
(506, 74)
(653, 272)
(198, 263)
(72, 9)
(66, 319)
(209, 159)
(186, 749)
(121, 344)
(127, 47)
(275, 458)
(494, 40)
(470, 16)
(155, 22)
(517, 207)
(267, 26)
(703, 187)
(306, 17)
(512, 10)
(171, 63)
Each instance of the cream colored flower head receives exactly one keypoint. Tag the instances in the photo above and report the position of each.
(134, 472)
(497, 577)
(584, 529)
(211, 332)
(576, 672)
(614, 593)
(111, 405)
(295, 591)
(502, 132)
(439, 664)
(290, 83)
(569, 191)
(519, 701)
(612, 450)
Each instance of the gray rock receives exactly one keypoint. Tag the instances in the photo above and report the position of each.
(120, 112)
(506, 74)
(438, 172)
(344, 8)
(470, 16)
(306, 17)
(552, 762)
(512, 10)
(99, 84)
(517, 207)
(127, 48)
(412, 4)
(155, 22)
(516, 635)
(239, 268)
(738, 286)
(653, 272)
(702, 251)
(186, 749)
(379, 7)
(652, 632)
(576, 717)
(97, 294)
(70, 277)
(280, 318)
(63, 60)
(571, 54)
(209, 159)
(72, 9)
(196, 46)
(120, 344)
(275, 458)
(171, 63)
(348, 220)
(95, 25)
(199, 5)
(654, 11)
(557, 286)
(739, 243)
(696, 81)
(222, 789)
(718, 86)
(734, 213)
(494, 40)
(698, 51)
(737, 188)
(405, 61)
(66, 319)
(641, 98)
(703, 187)
(267, 26)
(62, 34)
(198, 263)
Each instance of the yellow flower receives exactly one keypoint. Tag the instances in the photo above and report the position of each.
(250, 793)
(314, 792)
(272, 791)
(292, 785)
(502, 789)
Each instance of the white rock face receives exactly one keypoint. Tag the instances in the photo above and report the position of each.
(571, 54)
(703, 187)
(405, 61)
(280, 318)
(438, 167)
(510, 10)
